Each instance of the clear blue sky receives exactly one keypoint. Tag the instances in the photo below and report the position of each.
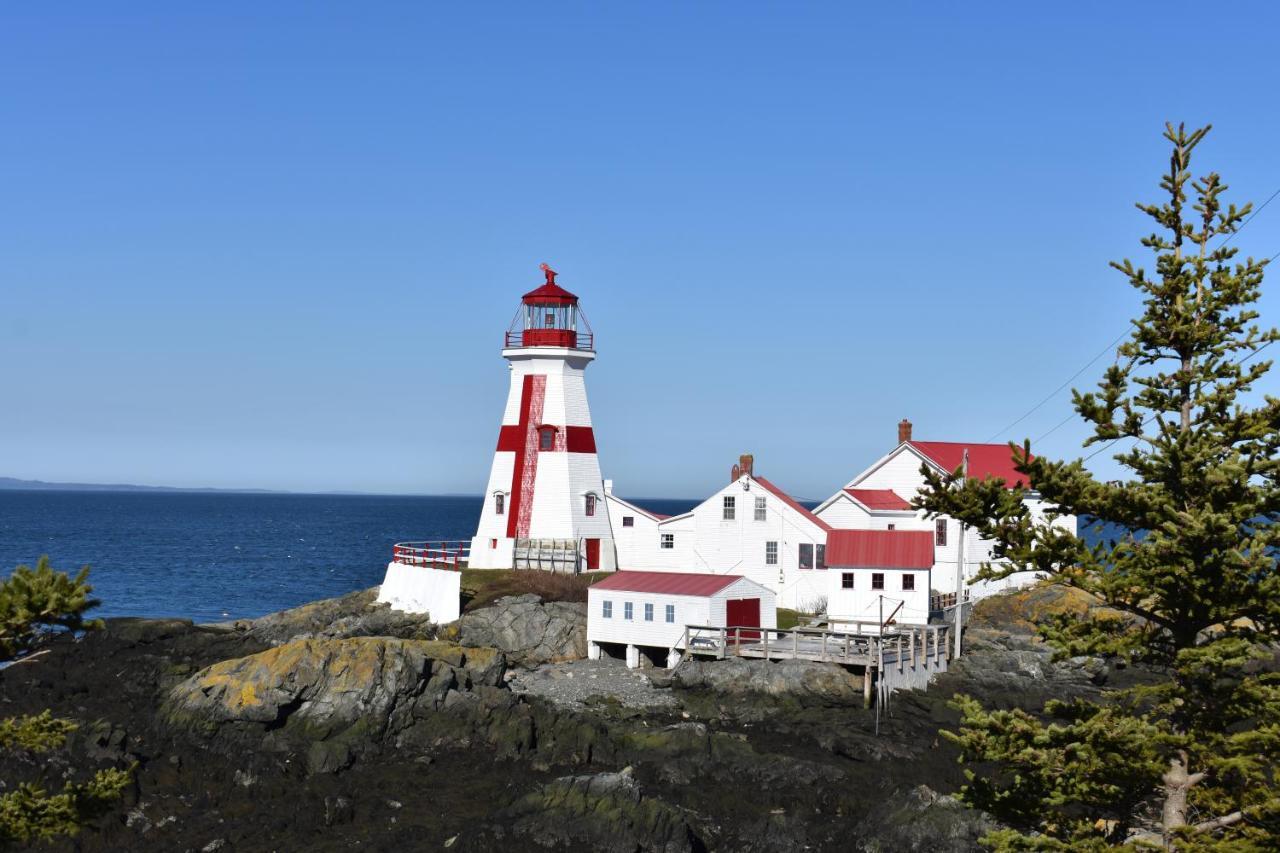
(275, 244)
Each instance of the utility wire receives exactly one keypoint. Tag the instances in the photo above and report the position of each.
(1057, 390)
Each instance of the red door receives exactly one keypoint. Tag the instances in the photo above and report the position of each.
(593, 555)
(743, 612)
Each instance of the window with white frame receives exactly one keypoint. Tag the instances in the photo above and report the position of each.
(846, 580)
(822, 556)
(546, 438)
(671, 613)
(760, 516)
(668, 541)
(940, 533)
(771, 553)
(730, 507)
(648, 612)
(628, 521)
(591, 504)
(908, 582)
(628, 610)
(606, 609)
(877, 582)
(499, 503)
(806, 555)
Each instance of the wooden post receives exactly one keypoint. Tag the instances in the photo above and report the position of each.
(899, 647)
(866, 685)
(765, 634)
(795, 642)
(913, 648)
(824, 645)
(724, 641)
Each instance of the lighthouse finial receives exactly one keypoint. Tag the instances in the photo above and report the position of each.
(548, 272)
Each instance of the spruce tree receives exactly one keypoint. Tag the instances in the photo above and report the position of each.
(1188, 759)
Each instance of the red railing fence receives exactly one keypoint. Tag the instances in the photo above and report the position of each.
(432, 555)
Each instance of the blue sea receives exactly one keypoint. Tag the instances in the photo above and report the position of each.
(214, 556)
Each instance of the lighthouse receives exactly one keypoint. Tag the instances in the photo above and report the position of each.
(544, 504)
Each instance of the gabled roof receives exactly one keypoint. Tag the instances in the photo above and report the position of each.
(791, 502)
(985, 460)
(656, 516)
(880, 549)
(550, 293)
(878, 499)
(668, 583)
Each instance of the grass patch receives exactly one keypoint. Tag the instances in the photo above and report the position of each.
(482, 587)
(787, 618)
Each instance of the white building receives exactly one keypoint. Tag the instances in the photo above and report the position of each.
(544, 503)
(879, 499)
(629, 611)
(879, 576)
(750, 527)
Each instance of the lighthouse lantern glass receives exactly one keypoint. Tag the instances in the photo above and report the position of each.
(550, 324)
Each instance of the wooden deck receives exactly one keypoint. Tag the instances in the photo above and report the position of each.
(897, 658)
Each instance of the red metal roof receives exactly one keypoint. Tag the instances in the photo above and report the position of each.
(791, 502)
(985, 460)
(669, 583)
(550, 293)
(878, 498)
(880, 549)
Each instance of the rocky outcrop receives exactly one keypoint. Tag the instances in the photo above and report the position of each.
(528, 630)
(335, 698)
(803, 681)
(1020, 611)
(602, 811)
(925, 821)
(357, 614)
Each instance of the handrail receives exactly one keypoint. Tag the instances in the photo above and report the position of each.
(582, 340)
(443, 554)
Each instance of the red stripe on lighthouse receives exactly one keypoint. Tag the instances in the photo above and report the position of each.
(574, 439)
(525, 469)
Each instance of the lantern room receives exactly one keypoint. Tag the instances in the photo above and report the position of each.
(549, 316)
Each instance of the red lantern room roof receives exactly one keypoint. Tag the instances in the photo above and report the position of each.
(549, 293)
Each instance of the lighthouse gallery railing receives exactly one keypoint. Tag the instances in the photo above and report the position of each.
(432, 555)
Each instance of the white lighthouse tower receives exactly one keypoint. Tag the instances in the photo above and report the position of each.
(544, 505)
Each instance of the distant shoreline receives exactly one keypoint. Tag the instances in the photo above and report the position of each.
(12, 484)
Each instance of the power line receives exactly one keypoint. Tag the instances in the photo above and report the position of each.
(1057, 390)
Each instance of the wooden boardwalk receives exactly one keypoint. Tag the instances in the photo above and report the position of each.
(904, 657)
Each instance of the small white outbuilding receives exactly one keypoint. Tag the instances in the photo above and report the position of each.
(650, 610)
(879, 576)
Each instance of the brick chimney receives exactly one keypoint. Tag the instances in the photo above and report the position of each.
(745, 462)
(904, 430)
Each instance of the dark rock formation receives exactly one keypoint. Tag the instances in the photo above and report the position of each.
(528, 630)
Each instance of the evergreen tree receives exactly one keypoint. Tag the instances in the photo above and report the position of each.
(1187, 760)
(32, 603)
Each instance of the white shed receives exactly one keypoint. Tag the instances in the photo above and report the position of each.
(880, 576)
(652, 609)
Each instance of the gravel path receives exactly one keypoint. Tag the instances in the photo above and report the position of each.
(573, 684)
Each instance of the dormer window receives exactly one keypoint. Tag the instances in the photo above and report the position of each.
(499, 503)
(546, 438)
(591, 504)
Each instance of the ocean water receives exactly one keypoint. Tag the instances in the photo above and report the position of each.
(215, 556)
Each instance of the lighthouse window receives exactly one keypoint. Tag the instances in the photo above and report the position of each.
(759, 509)
(499, 503)
(729, 511)
(551, 319)
(771, 553)
(806, 555)
(668, 540)
(546, 438)
(591, 504)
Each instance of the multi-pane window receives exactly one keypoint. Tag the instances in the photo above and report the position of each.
(730, 510)
(628, 521)
(648, 612)
(846, 580)
(627, 609)
(908, 581)
(607, 609)
(806, 555)
(499, 503)
(759, 509)
(940, 532)
(771, 553)
(822, 556)
(671, 613)
(547, 438)
(591, 504)
(668, 541)
(877, 582)
(893, 527)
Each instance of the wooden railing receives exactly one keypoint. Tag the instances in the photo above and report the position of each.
(945, 600)
(432, 555)
(869, 648)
